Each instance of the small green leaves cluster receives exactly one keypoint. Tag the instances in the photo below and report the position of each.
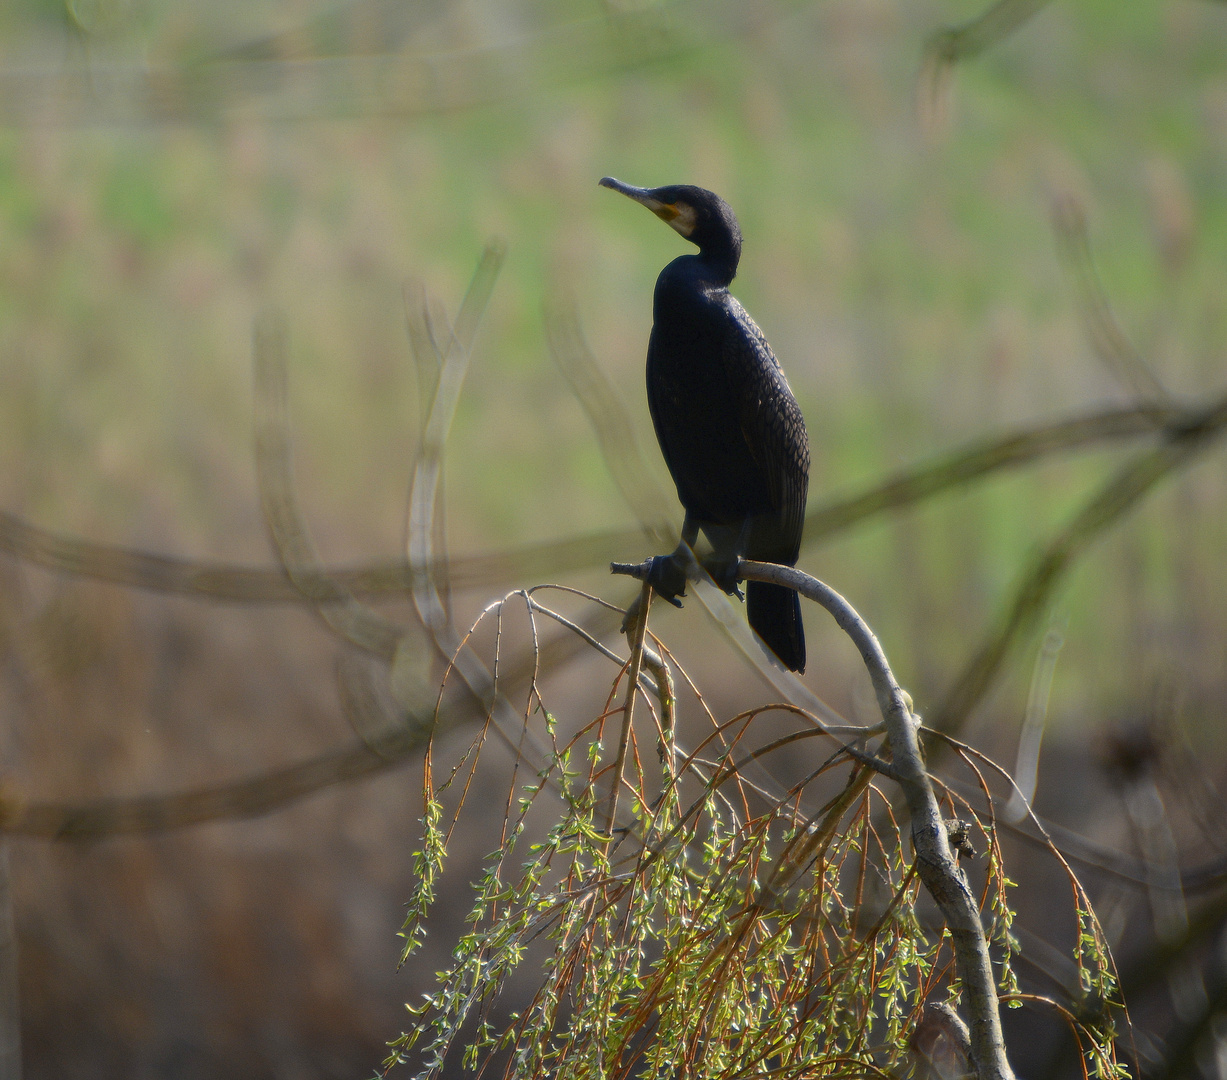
(427, 867)
(671, 948)
(724, 926)
(1001, 926)
(1101, 1004)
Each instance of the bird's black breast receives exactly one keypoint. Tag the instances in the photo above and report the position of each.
(728, 424)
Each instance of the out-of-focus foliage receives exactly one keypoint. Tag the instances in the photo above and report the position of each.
(910, 282)
(934, 253)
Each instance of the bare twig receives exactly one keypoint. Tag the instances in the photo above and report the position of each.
(635, 634)
(953, 44)
(795, 861)
(453, 357)
(728, 616)
(667, 697)
(383, 745)
(993, 24)
(940, 1039)
(652, 506)
(1027, 761)
(1040, 832)
(985, 457)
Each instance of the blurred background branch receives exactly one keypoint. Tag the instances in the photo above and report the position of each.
(215, 581)
(1008, 436)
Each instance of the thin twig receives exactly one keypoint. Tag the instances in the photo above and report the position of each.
(453, 356)
(620, 449)
(634, 634)
(953, 44)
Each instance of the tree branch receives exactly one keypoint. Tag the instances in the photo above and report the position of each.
(935, 863)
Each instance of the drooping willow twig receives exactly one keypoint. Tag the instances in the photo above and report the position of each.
(741, 960)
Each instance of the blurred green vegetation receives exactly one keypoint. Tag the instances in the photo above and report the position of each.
(170, 171)
(167, 172)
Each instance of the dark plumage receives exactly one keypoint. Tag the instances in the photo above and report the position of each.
(729, 427)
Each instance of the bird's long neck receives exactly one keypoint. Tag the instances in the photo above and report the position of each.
(718, 258)
(691, 277)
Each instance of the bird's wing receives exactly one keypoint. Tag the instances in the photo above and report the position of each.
(772, 425)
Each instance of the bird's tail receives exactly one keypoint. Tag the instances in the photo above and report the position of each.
(775, 615)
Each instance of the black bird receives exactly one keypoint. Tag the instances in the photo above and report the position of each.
(728, 425)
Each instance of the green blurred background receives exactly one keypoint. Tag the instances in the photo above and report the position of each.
(169, 171)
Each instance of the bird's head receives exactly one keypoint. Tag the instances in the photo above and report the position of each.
(701, 216)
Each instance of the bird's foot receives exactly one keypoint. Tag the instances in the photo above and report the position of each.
(667, 577)
(668, 580)
(723, 571)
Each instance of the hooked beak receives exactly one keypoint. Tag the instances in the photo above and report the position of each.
(679, 215)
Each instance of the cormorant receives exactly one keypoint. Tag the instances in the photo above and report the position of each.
(728, 425)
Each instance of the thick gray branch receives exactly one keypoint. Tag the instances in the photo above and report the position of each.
(935, 863)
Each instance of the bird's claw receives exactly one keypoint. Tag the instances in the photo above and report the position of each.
(667, 578)
(723, 571)
(668, 581)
